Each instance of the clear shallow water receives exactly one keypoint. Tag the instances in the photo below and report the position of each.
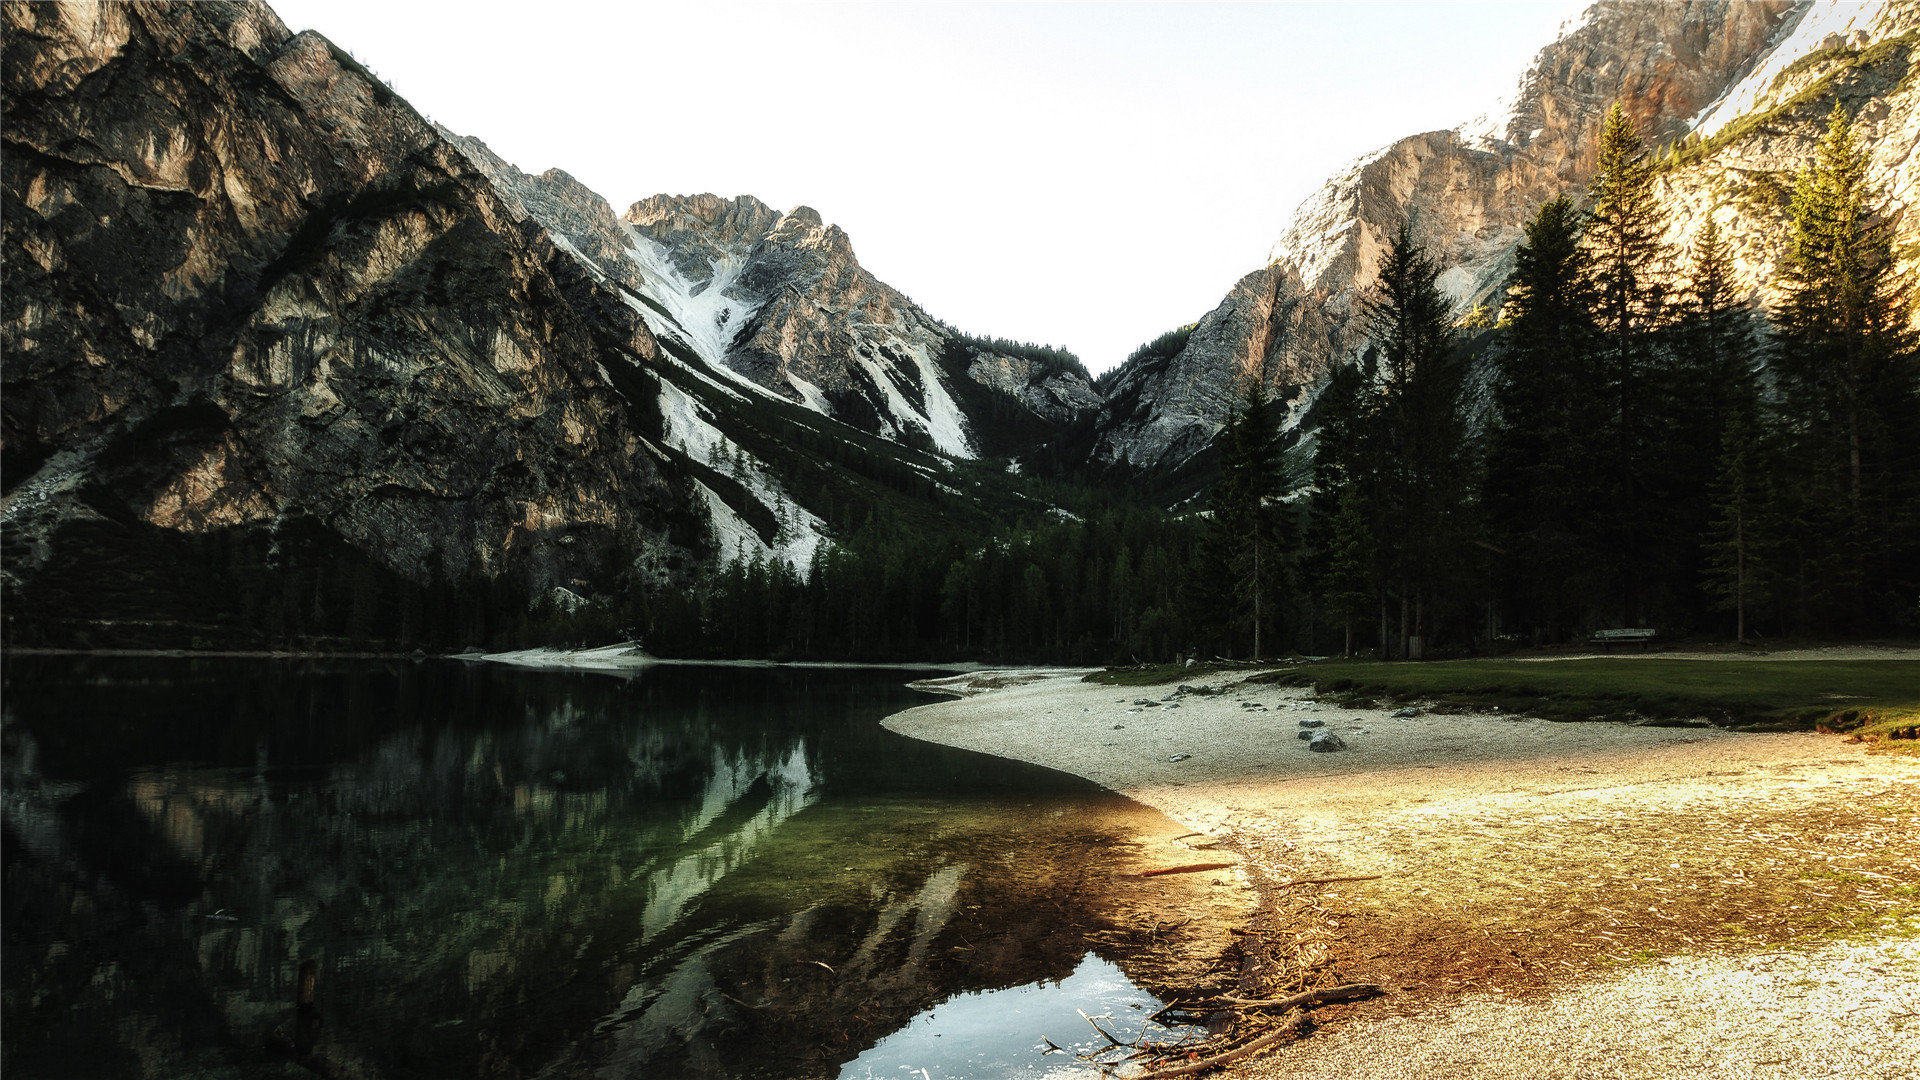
(1003, 1033)
(495, 872)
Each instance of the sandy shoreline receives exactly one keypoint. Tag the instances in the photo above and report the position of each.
(1545, 886)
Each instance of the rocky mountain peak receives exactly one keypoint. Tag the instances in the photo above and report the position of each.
(1466, 194)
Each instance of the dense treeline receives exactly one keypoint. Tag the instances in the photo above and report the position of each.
(1048, 357)
(1631, 446)
(1158, 351)
(1058, 587)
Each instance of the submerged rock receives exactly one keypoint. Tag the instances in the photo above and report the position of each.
(1326, 742)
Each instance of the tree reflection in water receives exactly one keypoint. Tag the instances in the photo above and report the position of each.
(694, 872)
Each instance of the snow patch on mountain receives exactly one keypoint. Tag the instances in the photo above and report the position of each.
(689, 429)
(1817, 22)
(945, 423)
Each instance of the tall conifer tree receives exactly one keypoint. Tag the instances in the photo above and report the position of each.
(1629, 265)
(1546, 450)
(1248, 544)
(1424, 487)
(1848, 395)
(1708, 409)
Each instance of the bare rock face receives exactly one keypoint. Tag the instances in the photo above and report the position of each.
(1465, 193)
(1058, 397)
(781, 300)
(248, 287)
(777, 303)
(1739, 166)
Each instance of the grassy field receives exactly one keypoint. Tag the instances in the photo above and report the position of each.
(1877, 696)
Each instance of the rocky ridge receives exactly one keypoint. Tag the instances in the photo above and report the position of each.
(1699, 68)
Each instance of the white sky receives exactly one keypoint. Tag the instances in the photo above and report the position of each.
(1086, 175)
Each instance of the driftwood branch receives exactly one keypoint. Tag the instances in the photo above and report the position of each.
(1291, 1027)
(1193, 868)
(1349, 992)
(1103, 1031)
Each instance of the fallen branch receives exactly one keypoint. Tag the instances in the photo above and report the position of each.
(1349, 992)
(1101, 1030)
(1193, 869)
(1323, 880)
(1291, 1027)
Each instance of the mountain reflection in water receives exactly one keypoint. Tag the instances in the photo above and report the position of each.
(500, 873)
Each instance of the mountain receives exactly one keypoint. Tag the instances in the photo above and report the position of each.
(283, 357)
(273, 339)
(777, 302)
(1741, 87)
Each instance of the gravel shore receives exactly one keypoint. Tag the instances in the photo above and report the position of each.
(1555, 900)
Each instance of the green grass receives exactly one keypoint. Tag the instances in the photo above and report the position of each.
(1863, 695)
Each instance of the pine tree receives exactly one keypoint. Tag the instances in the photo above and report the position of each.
(1247, 540)
(1708, 385)
(1629, 266)
(1422, 472)
(1848, 388)
(1743, 526)
(1347, 580)
(1546, 451)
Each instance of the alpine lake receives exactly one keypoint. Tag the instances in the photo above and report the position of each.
(485, 871)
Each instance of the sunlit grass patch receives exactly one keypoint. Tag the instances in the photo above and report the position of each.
(1881, 697)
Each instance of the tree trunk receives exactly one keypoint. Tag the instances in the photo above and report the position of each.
(1400, 651)
(1256, 584)
(1386, 647)
(1739, 579)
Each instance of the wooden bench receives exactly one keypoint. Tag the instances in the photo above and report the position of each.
(1606, 638)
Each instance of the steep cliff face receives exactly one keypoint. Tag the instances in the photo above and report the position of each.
(249, 289)
(1677, 67)
(781, 300)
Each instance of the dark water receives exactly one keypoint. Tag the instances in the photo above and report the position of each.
(500, 873)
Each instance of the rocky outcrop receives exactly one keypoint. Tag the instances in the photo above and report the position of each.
(1738, 165)
(782, 300)
(1465, 193)
(248, 286)
(777, 303)
(1052, 395)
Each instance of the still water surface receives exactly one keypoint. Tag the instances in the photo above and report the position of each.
(688, 872)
